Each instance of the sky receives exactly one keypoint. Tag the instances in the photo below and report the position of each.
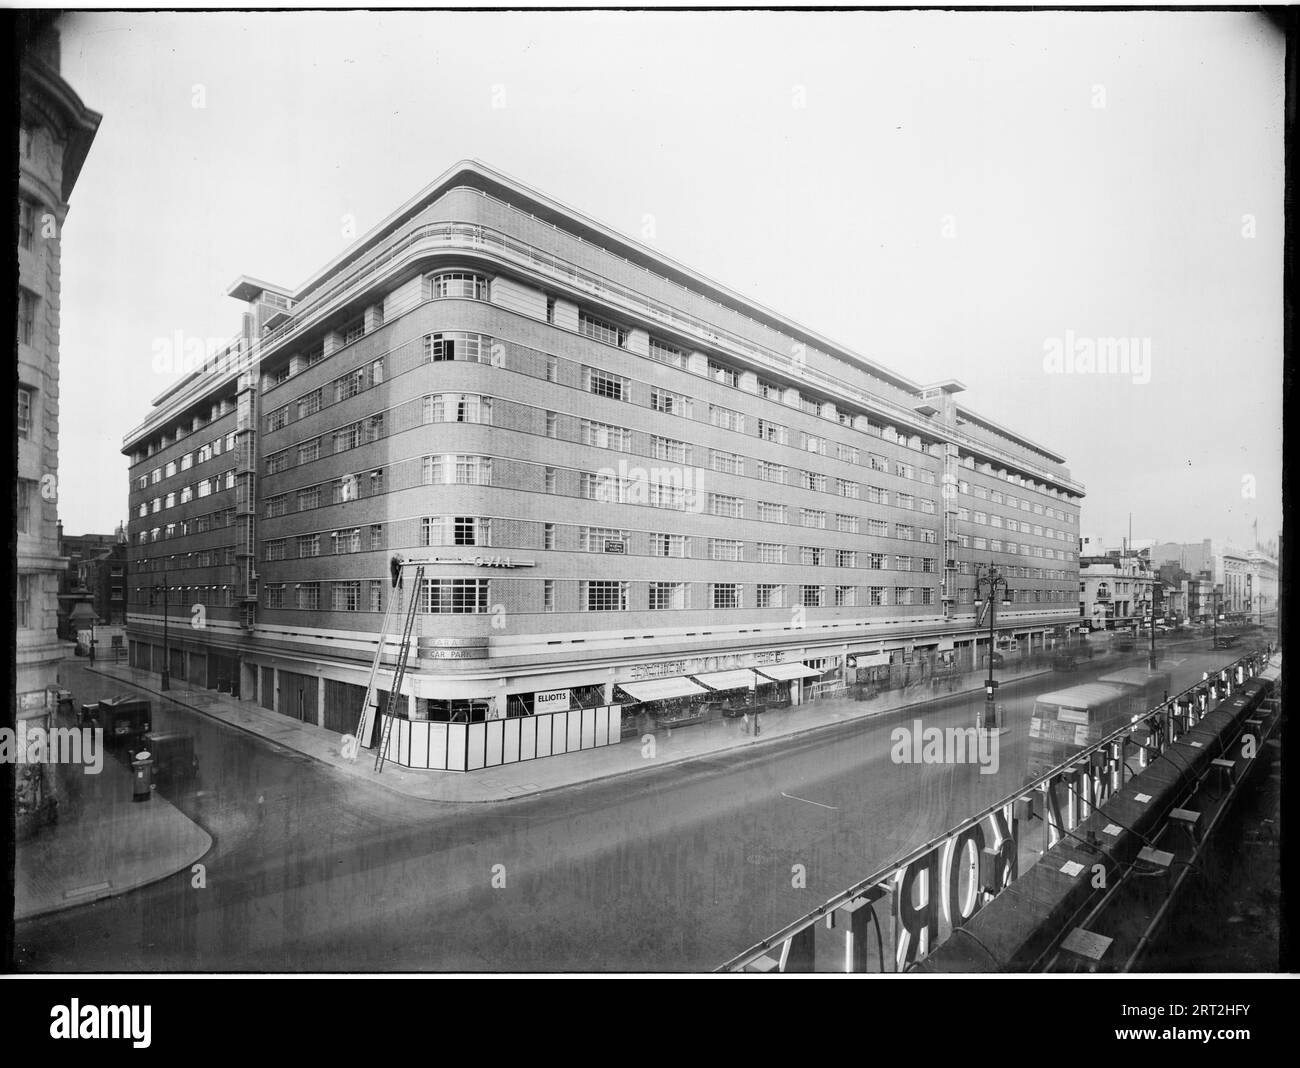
(984, 196)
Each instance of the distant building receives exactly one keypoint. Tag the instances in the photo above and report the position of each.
(1115, 590)
(97, 565)
(1263, 575)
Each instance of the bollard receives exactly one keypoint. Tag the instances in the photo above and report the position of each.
(142, 776)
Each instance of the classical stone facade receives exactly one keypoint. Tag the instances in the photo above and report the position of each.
(55, 134)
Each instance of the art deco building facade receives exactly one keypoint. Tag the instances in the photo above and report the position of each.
(623, 476)
(55, 134)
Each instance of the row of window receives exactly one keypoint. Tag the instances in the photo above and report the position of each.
(203, 488)
(199, 524)
(201, 455)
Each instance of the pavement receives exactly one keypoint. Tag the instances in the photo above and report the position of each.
(531, 777)
(103, 842)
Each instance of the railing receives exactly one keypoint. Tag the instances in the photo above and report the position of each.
(1158, 722)
(483, 237)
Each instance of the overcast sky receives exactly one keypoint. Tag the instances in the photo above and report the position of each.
(955, 195)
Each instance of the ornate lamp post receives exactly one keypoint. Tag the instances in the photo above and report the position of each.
(988, 579)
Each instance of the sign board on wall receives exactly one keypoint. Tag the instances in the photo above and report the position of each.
(551, 701)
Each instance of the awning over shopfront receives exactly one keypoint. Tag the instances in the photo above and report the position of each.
(659, 689)
(729, 680)
(783, 672)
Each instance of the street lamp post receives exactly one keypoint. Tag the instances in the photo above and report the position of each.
(987, 580)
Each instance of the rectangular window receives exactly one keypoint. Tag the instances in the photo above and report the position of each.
(605, 383)
(667, 595)
(724, 595)
(670, 403)
(346, 541)
(668, 545)
(845, 488)
(846, 558)
(455, 596)
(346, 596)
(812, 517)
(605, 436)
(810, 596)
(845, 596)
(769, 595)
(726, 418)
(275, 463)
(599, 329)
(275, 549)
(24, 412)
(308, 498)
(810, 480)
(26, 316)
(308, 545)
(278, 419)
(26, 494)
(275, 595)
(904, 531)
(670, 449)
(727, 462)
(903, 595)
(309, 404)
(769, 431)
(811, 443)
(665, 353)
(725, 549)
(603, 539)
(604, 596)
(308, 595)
(354, 331)
(846, 524)
(771, 513)
(771, 472)
(902, 563)
(877, 528)
(813, 555)
(26, 223)
(721, 373)
(876, 595)
(771, 553)
(309, 451)
(548, 595)
(731, 507)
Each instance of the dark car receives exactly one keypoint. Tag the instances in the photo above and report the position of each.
(173, 756)
(124, 720)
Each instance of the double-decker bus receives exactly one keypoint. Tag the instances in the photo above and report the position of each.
(1065, 721)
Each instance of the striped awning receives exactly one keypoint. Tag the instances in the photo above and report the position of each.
(783, 672)
(659, 689)
(742, 679)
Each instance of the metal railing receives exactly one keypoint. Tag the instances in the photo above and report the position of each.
(880, 879)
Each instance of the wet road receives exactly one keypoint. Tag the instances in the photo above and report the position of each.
(670, 870)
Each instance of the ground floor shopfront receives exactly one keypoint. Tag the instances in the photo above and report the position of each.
(329, 691)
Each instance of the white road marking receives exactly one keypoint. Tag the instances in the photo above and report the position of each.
(807, 802)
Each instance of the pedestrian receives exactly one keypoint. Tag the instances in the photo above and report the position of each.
(744, 722)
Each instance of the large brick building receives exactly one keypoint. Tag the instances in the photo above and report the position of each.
(626, 478)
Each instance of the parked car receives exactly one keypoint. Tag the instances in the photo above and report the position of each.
(124, 720)
(174, 760)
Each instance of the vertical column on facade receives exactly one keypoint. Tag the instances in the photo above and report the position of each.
(638, 341)
(246, 498)
(951, 466)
